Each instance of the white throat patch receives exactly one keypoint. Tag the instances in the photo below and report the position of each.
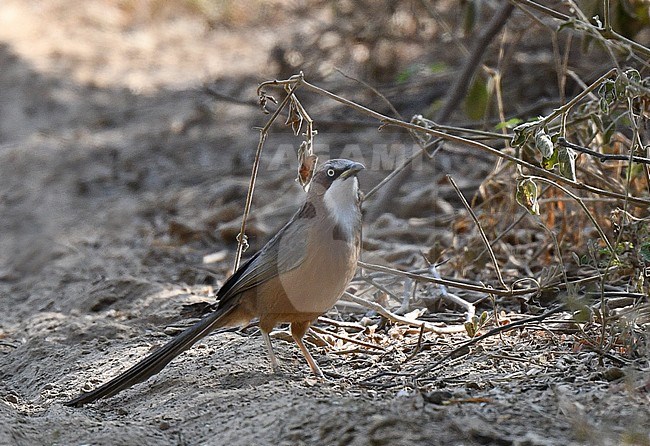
(341, 201)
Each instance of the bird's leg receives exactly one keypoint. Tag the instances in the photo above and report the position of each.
(298, 330)
(269, 348)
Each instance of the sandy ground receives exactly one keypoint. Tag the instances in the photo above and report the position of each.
(117, 175)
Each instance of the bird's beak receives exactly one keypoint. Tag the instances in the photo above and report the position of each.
(352, 170)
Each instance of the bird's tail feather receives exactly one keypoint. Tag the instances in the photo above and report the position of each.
(155, 362)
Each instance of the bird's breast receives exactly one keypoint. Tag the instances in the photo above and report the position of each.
(328, 267)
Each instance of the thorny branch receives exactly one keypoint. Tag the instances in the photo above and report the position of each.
(431, 130)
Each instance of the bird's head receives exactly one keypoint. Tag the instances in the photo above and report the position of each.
(337, 179)
(335, 184)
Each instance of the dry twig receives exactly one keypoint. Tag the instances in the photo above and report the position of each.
(400, 319)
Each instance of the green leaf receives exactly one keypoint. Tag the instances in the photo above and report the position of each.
(607, 93)
(438, 67)
(604, 106)
(633, 75)
(509, 124)
(633, 81)
(469, 19)
(522, 132)
(470, 329)
(597, 121)
(477, 98)
(526, 196)
(577, 305)
(567, 163)
(550, 162)
(405, 75)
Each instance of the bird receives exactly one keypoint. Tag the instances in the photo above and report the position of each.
(298, 275)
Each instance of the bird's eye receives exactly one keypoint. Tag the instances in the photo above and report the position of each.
(330, 172)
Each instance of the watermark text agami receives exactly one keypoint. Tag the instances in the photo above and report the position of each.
(376, 156)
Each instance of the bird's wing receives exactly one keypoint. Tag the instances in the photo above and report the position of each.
(284, 252)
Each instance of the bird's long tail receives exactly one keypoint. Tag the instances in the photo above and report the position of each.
(156, 361)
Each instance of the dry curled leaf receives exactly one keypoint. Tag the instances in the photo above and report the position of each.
(264, 99)
(307, 168)
(294, 118)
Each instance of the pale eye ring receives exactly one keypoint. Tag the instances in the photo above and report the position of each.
(330, 172)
